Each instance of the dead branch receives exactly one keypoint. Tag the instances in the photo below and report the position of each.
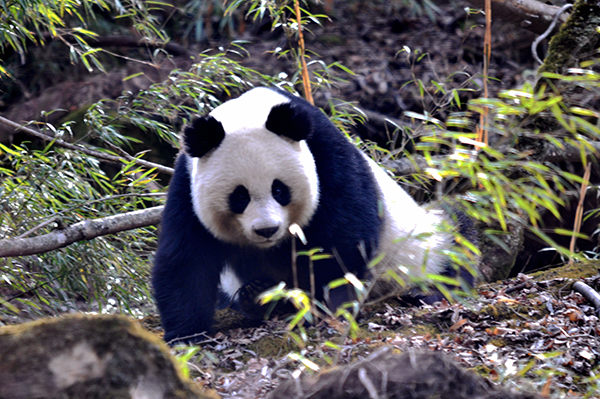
(134, 42)
(532, 15)
(85, 230)
(588, 293)
(97, 154)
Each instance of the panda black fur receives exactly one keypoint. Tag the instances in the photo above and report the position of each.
(249, 170)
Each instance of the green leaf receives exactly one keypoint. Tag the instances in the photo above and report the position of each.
(8, 150)
(85, 32)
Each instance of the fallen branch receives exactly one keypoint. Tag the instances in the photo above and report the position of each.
(588, 293)
(409, 166)
(532, 15)
(569, 153)
(85, 230)
(376, 127)
(94, 153)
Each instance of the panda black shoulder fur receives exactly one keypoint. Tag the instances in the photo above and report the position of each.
(253, 167)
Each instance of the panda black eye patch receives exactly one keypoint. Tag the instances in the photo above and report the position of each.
(239, 199)
(281, 192)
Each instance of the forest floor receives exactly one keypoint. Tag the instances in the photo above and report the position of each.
(531, 333)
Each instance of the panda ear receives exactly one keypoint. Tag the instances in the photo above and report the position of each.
(201, 136)
(289, 120)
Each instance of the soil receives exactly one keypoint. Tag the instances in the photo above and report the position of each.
(389, 48)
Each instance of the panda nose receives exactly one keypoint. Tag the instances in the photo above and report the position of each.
(266, 232)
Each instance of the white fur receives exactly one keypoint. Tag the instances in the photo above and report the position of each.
(252, 156)
(411, 238)
(229, 282)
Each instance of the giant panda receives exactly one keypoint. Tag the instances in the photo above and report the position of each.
(252, 168)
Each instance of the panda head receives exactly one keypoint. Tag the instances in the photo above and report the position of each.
(252, 173)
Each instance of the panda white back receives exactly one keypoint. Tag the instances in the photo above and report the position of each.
(412, 239)
(248, 112)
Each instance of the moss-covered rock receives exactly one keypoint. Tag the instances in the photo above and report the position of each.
(85, 356)
(577, 40)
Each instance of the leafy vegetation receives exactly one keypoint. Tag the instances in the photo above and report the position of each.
(44, 189)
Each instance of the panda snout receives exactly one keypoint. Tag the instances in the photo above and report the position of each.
(266, 232)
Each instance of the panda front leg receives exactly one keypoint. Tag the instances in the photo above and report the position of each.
(187, 265)
(185, 290)
(186, 271)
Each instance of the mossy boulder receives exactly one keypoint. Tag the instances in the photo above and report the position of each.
(85, 356)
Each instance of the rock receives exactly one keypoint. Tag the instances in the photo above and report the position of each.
(411, 375)
(84, 356)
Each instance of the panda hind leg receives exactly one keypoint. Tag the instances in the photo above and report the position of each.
(466, 228)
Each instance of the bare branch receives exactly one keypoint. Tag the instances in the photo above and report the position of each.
(532, 15)
(97, 154)
(85, 230)
(132, 41)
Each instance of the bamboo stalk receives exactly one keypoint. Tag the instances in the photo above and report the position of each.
(305, 75)
(579, 211)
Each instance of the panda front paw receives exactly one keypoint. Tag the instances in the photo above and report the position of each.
(416, 297)
(247, 298)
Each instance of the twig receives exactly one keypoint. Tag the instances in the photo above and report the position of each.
(305, 75)
(520, 286)
(97, 154)
(547, 32)
(124, 41)
(38, 227)
(482, 129)
(133, 41)
(208, 339)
